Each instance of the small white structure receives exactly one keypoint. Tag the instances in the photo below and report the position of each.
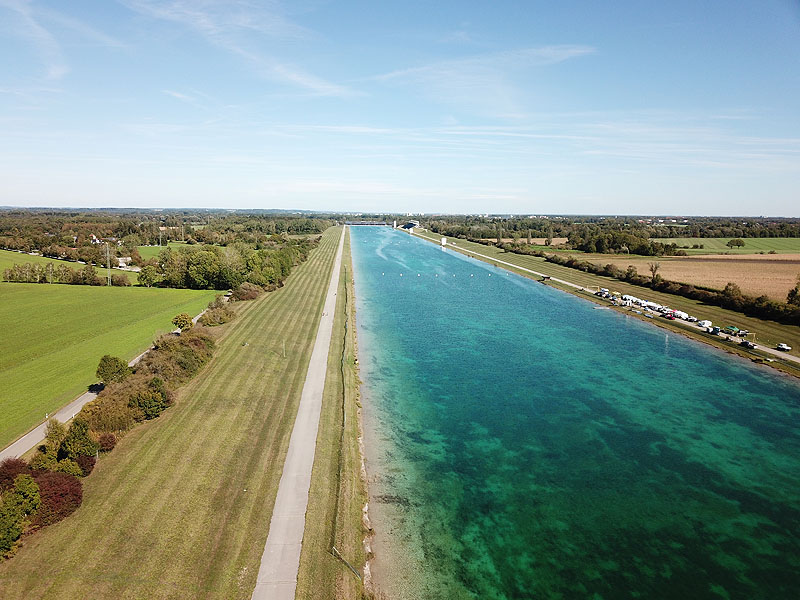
(680, 314)
(444, 241)
(704, 323)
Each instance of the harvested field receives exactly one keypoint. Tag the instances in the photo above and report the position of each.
(751, 245)
(756, 274)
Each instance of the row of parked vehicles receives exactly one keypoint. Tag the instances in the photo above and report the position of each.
(671, 314)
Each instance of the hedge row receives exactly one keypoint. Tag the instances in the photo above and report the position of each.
(50, 273)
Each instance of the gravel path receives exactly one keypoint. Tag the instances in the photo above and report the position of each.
(277, 576)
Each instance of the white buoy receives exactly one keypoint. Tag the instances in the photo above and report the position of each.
(401, 274)
(472, 275)
(417, 274)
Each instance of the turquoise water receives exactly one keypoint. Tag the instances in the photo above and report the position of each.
(532, 446)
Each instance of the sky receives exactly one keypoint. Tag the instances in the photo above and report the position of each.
(532, 107)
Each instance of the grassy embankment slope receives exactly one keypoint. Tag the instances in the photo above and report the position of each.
(54, 336)
(768, 333)
(337, 493)
(9, 259)
(751, 245)
(182, 507)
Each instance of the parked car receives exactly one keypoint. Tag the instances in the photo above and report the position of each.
(692, 319)
(784, 347)
(748, 344)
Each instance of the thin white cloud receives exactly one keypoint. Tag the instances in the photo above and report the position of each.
(178, 95)
(241, 27)
(509, 59)
(84, 30)
(46, 46)
(484, 83)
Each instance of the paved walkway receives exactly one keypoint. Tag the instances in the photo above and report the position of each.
(277, 576)
(36, 436)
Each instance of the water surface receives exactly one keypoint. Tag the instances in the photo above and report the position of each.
(523, 444)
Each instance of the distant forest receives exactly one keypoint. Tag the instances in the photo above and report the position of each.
(632, 235)
(220, 250)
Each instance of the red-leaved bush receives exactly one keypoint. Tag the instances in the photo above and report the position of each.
(61, 496)
(107, 442)
(9, 469)
(86, 463)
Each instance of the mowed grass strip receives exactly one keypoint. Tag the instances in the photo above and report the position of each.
(54, 336)
(9, 258)
(336, 498)
(768, 333)
(751, 245)
(182, 507)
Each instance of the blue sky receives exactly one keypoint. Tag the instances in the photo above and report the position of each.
(526, 107)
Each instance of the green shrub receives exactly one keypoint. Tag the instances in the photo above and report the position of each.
(18, 504)
(78, 441)
(217, 316)
(44, 460)
(112, 368)
(69, 466)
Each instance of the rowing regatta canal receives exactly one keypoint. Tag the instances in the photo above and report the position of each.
(521, 444)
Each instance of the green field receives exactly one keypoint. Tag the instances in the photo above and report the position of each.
(751, 245)
(768, 333)
(182, 507)
(54, 336)
(9, 259)
(148, 252)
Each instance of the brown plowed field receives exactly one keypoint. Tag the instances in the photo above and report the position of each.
(756, 274)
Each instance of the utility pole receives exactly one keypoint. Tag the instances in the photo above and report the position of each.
(108, 263)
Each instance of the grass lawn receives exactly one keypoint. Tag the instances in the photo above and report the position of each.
(337, 493)
(768, 333)
(54, 336)
(751, 245)
(181, 508)
(9, 259)
(148, 252)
